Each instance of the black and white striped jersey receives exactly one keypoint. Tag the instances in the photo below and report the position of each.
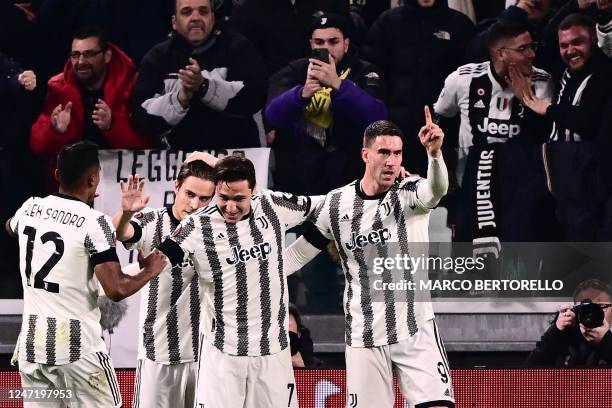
(244, 263)
(170, 303)
(489, 111)
(571, 92)
(384, 226)
(61, 239)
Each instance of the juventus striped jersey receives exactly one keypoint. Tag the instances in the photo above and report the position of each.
(571, 92)
(169, 303)
(61, 239)
(385, 225)
(489, 111)
(244, 263)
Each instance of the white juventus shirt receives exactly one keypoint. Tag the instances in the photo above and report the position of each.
(489, 112)
(170, 303)
(386, 225)
(61, 239)
(244, 263)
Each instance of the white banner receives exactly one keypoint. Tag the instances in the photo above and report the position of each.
(159, 169)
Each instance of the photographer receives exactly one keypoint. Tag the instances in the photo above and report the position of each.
(580, 335)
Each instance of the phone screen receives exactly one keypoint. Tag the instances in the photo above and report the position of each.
(322, 54)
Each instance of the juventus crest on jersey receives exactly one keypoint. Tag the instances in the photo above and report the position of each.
(489, 112)
(61, 239)
(389, 223)
(244, 263)
(169, 303)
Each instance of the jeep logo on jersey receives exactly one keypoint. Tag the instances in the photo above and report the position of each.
(256, 251)
(358, 241)
(499, 127)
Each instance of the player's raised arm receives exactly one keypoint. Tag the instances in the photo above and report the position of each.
(432, 189)
(132, 200)
(118, 285)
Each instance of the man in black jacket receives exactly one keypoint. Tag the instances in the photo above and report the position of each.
(416, 45)
(569, 343)
(199, 89)
(326, 106)
(578, 152)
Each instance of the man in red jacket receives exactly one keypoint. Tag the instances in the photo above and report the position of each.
(89, 100)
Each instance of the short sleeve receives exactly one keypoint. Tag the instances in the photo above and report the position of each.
(317, 228)
(291, 209)
(141, 222)
(14, 221)
(100, 239)
(447, 104)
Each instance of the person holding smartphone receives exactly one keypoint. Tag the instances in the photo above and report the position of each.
(326, 101)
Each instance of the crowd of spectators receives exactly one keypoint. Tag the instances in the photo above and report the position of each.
(201, 74)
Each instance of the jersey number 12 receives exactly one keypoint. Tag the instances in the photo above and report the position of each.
(39, 277)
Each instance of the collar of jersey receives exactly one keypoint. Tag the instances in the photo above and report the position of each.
(67, 197)
(244, 217)
(496, 77)
(364, 196)
(173, 219)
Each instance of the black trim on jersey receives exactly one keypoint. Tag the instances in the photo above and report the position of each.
(364, 279)
(265, 303)
(110, 376)
(402, 234)
(110, 255)
(334, 217)
(242, 295)
(311, 233)
(75, 340)
(389, 295)
(481, 90)
(172, 250)
(194, 312)
(172, 327)
(360, 193)
(137, 233)
(30, 352)
(50, 343)
(291, 202)
(107, 230)
(173, 220)
(269, 212)
(67, 197)
(502, 83)
(437, 403)
(217, 277)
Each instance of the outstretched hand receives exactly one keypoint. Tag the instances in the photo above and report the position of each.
(522, 88)
(132, 197)
(431, 135)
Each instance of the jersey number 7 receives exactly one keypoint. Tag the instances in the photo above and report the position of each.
(39, 277)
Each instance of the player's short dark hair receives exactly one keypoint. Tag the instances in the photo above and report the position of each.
(503, 30)
(74, 162)
(593, 284)
(90, 31)
(235, 168)
(195, 168)
(578, 20)
(380, 128)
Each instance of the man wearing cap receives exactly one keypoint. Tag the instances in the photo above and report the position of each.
(327, 105)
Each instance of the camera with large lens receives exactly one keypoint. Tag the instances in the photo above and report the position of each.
(589, 314)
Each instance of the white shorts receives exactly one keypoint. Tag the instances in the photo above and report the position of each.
(165, 385)
(91, 378)
(419, 363)
(245, 382)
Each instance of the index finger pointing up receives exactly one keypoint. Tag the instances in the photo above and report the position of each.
(428, 120)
